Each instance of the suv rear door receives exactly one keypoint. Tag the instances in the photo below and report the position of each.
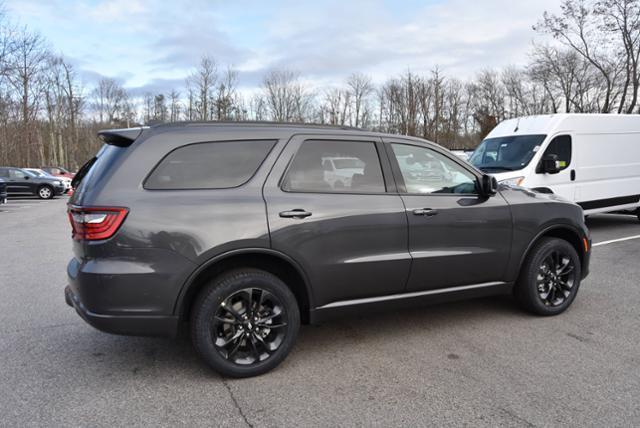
(456, 236)
(350, 239)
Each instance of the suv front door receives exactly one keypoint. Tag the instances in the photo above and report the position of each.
(350, 238)
(456, 236)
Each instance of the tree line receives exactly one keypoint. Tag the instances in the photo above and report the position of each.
(589, 64)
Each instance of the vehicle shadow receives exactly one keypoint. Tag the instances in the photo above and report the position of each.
(34, 198)
(607, 220)
(166, 357)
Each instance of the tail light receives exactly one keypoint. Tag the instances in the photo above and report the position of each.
(95, 223)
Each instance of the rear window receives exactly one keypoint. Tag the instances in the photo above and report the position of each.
(96, 168)
(215, 165)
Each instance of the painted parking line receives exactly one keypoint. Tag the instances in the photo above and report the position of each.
(628, 238)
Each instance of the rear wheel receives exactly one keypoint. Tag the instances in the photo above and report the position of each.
(245, 322)
(45, 192)
(550, 277)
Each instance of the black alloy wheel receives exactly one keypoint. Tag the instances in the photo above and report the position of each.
(249, 326)
(550, 277)
(556, 277)
(245, 322)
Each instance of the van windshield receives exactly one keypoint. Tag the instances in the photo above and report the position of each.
(509, 153)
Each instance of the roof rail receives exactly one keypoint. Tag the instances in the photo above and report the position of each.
(258, 123)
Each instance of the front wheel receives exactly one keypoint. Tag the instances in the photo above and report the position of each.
(45, 192)
(245, 322)
(550, 277)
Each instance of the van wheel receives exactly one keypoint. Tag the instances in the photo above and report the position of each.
(45, 192)
(550, 277)
(244, 322)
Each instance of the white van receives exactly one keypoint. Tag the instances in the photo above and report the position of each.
(591, 159)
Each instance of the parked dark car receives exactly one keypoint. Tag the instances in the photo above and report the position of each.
(3, 191)
(21, 182)
(234, 229)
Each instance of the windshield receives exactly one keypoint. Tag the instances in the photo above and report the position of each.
(37, 173)
(506, 153)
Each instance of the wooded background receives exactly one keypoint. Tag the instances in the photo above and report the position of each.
(589, 64)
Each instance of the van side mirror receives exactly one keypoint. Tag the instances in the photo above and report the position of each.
(549, 164)
(488, 185)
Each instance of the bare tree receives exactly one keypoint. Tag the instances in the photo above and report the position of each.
(174, 106)
(225, 97)
(203, 81)
(160, 112)
(577, 27)
(335, 110)
(287, 99)
(109, 97)
(28, 58)
(621, 18)
(361, 89)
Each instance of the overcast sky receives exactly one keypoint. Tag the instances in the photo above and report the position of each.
(152, 45)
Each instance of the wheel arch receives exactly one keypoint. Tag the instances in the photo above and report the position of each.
(274, 262)
(561, 231)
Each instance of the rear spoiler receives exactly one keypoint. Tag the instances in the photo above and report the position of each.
(120, 137)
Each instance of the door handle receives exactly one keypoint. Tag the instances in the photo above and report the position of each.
(296, 213)
(425, 211)
(573, 175)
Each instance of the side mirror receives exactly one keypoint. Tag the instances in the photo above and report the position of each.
(549, 164)
(26, 177)
(488, 185)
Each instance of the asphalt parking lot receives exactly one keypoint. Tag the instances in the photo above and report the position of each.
(480, 362)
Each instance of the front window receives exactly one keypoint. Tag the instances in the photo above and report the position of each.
(426, 171)
(561, 148)
(509, 153)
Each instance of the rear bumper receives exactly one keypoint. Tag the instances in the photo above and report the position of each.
(127, 296)
(121, 324)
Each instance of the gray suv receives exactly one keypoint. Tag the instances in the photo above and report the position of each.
(237, 230)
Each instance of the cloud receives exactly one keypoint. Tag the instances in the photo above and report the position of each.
(152, 47)
(183, 50)
(157, 86)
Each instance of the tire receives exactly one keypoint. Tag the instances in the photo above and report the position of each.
(549, 278)
(45, 192)
(227, 336)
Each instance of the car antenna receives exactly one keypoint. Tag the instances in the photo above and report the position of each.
(517, 125)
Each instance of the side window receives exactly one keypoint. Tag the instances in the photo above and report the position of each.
(427, 171)
(4, 172)
(16, 174)
(216, 165)
(561, 147)
(356, 168)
